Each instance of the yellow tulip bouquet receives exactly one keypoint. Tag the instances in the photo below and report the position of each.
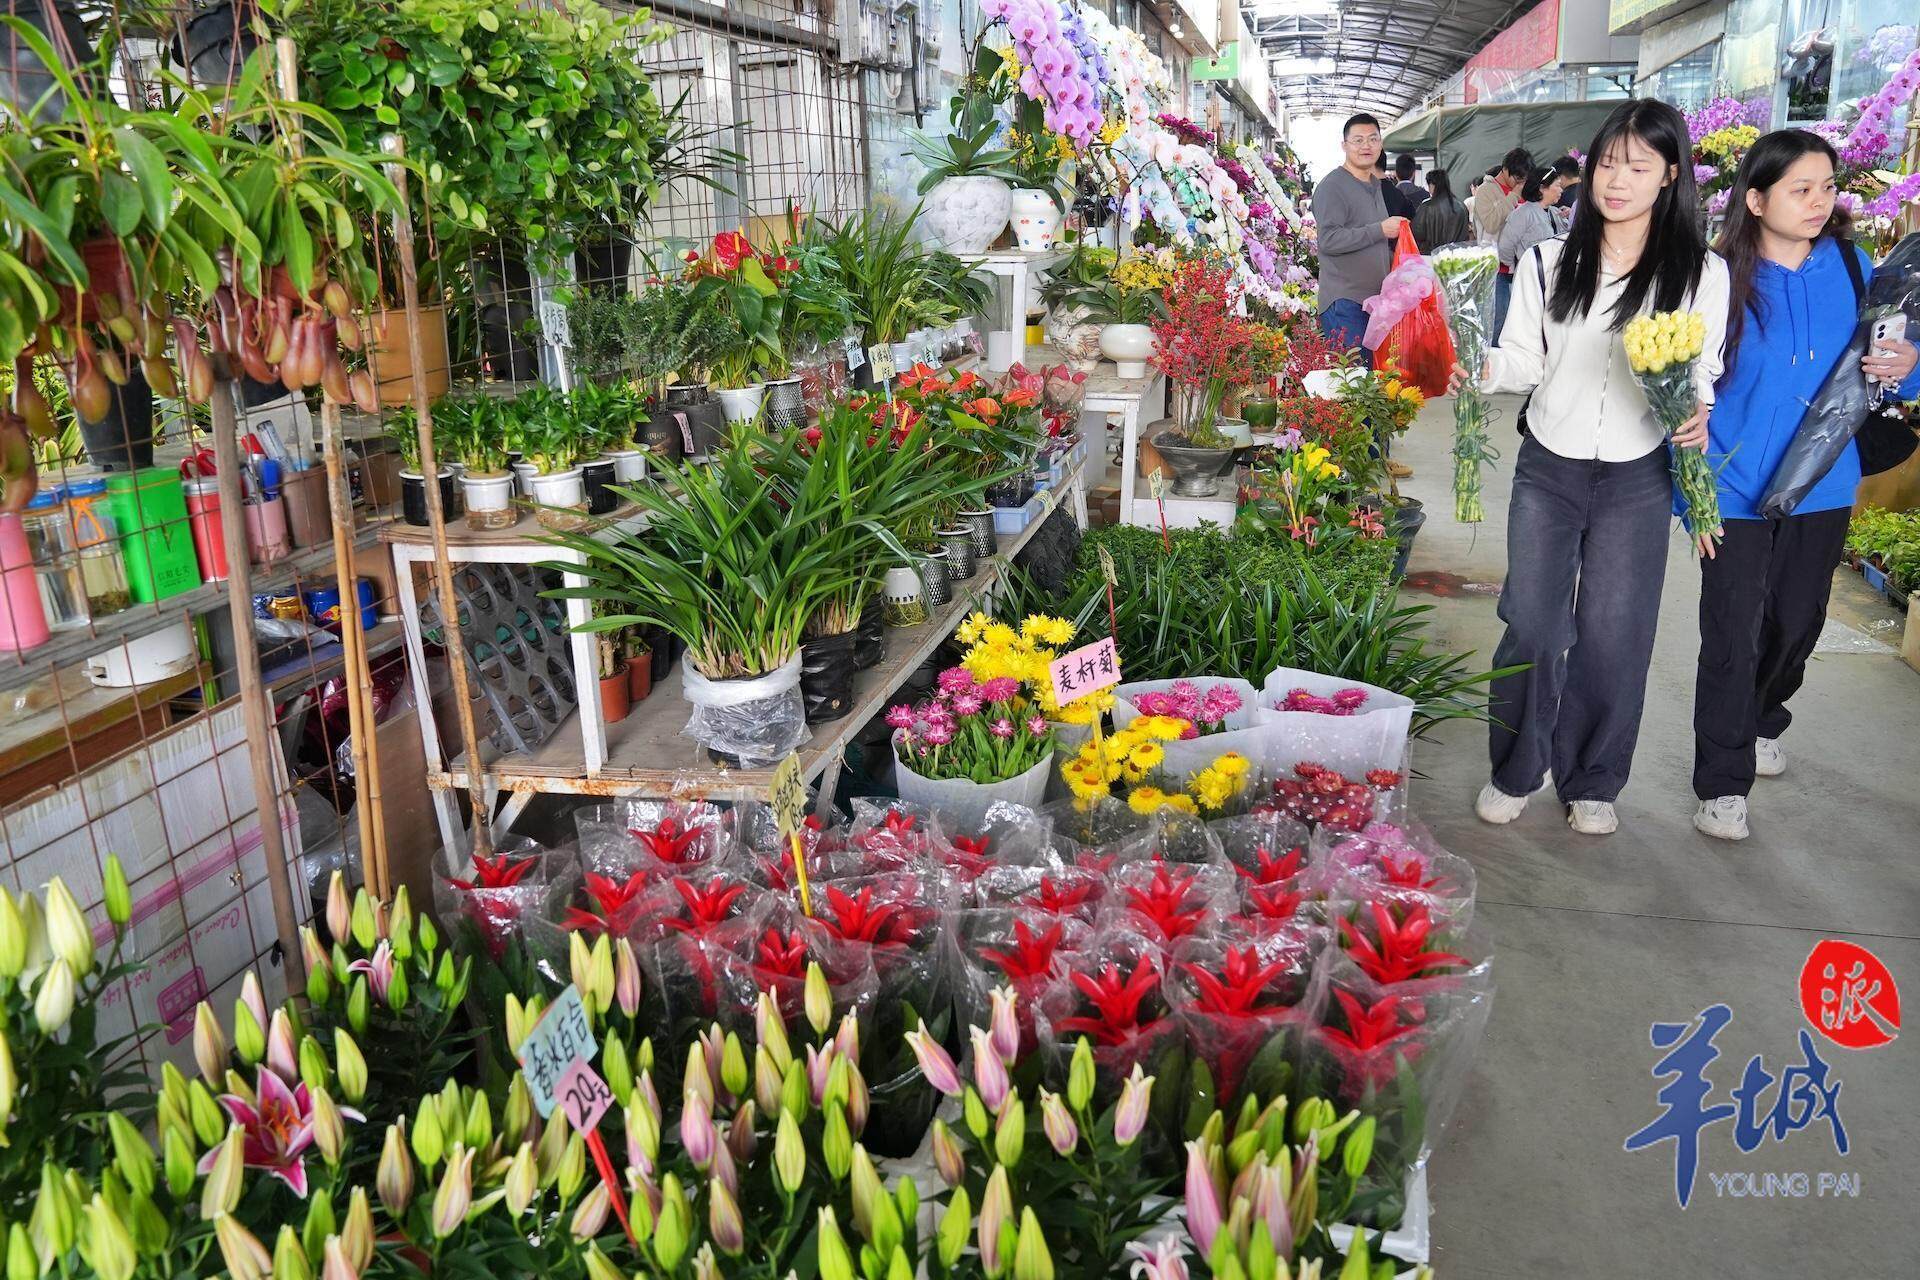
(1661, 351)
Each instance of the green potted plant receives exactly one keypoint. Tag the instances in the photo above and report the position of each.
(735, 273)
(474, 427)
(1203, 347)
(404, 435)
(967, 191)
(543, 430)
(1068, 292)
(616, 691)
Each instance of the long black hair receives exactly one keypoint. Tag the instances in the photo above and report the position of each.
(1670, 265)
(1439, 184)
(1739, 243)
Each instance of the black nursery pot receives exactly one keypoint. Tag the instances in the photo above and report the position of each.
(664, 651)
(870, 644)
(826, 677)
(413, 497)
(598, 477)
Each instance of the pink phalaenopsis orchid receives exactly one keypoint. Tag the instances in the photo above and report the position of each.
(277, 1129)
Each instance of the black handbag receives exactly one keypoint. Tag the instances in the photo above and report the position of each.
(1885, 440)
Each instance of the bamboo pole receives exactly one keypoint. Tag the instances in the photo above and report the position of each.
(359, 679)
(254, 699)
(395, 146)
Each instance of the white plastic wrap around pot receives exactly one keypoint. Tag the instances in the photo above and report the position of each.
(1374, 737)
(758, 719)
(962, 805)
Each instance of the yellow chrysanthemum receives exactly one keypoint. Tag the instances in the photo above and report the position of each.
(1145, 800)
(1165, 728)
(1233, 764)
(1181, 804)
(970, 631)
(1148, 755)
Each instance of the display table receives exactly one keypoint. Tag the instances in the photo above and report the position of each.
(1020, 271)
(646, 753)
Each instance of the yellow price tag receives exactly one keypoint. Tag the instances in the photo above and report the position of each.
(787, 796)
(1156, 484)
(1107, 570)
(880, 356)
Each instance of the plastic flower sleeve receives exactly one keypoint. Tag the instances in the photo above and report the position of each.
(491, 899)
(683, 937)
(1010, 947)
(1344, 799)
(1844, 399)
(1246, 1004)
(767, 855)
(1276, 884)
(1094, 823)
(1067, 891)
(1466, 272)
(908, 832)
(769, 950)
(1112, 993)
(962, 802)
(1007, 835)
(1169, 836)
(659, 837)
(1168, 902)
(1326, 716)
(1404, 867)
(756, 720)
(1400, 1052)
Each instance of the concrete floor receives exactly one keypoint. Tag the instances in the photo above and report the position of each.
(1595, 939)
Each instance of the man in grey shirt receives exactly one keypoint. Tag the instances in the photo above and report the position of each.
(1355, 236)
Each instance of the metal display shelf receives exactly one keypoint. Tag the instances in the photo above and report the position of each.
(69, 647)
(646, 753)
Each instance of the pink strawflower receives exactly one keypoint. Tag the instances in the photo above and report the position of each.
(1036, 724)
(955, 680)
(967, 704)
(1001, 728)
(1000, 689)
(1350, 700)
(900, 716)
(938, 735)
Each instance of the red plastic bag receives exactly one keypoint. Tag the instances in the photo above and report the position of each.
(1419, 346)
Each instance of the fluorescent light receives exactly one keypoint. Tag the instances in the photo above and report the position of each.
(1300, 68)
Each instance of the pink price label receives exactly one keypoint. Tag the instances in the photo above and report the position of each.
(584, 1096)
(1086, 670)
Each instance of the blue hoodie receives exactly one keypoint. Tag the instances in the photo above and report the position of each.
(1806, 318)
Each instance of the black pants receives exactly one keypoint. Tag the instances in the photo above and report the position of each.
(1586, 558)
(1763, 600)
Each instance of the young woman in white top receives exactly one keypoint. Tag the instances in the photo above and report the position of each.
(1588, 525)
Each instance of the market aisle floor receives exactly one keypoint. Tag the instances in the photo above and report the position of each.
(1596, 939)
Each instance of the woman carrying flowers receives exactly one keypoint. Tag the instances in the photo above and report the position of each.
(1796, 287)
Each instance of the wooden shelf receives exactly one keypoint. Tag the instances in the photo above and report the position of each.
(647, 754)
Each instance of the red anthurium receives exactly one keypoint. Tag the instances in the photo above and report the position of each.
(1116, 1002)
(611, 896)
(1030, 956)
(499, 872)
(1057, 899)
(1401, 952)
(784, 955)
(730, 249)
(1163, 902)
(1236, 990)
(1271, 869)
(856, 919)
(1275, 901)
(669, 841)
(1368, 1026)
(705, 907)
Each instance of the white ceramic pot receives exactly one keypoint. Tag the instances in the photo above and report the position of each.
(965, 215)
(558, 489)
(1036, 219)
(523, 474)
(741, 404)
(629, 465)
(1129, 346)
(1238, 431)
(489, 499)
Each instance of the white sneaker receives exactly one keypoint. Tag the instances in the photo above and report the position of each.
(1593, 817)
(1723, 818)
(1497, 807)
(1769, 761)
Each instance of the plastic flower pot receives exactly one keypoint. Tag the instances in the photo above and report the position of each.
(616, 698)
(561, 498)
(979, 523)
(741, 404)
(629, 465)
(826, 676)
(665, 434)
(705, 421)
(640, 676)
(870, 643)
(906, 602)
(413, 495)
(597, 478)
(489, 498)
(957, 542)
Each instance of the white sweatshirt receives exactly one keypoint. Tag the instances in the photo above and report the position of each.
(1585, 404)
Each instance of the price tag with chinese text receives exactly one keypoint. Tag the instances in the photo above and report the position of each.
(1107, 570)
(554, 324)
(1088, 669)
(1156, 484)
(584, 1096)
(880, 356)
(559, 1040)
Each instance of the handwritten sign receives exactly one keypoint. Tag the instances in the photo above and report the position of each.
(856, 354)
(584, 1096)
(1088, 669)
(880, 356)
(557, 1042)
(1107, 570)
(1156, 484)
(788, 794)
(554, 324)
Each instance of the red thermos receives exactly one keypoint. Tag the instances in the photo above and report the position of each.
(209, 535)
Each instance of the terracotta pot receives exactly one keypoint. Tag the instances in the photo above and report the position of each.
(616, 698)
(639, 677)
(390, 353)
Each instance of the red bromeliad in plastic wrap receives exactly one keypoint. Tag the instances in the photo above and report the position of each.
(1029, 956)
(856, 918)
(670, 842)
(706, 906)
(1272, 868)
(1273, 903)
(1240, 986)
(1063, 899)
(781, 955)
(1168, 903)
(1398, 950)
(614, 900)
(500, 872)
(1116, 999)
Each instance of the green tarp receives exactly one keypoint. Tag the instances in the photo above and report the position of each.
(1470, 140)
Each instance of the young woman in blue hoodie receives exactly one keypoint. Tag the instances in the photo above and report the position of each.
(1792, 310)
